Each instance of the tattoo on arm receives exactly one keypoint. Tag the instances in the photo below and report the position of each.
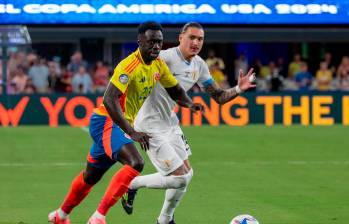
(221, 96)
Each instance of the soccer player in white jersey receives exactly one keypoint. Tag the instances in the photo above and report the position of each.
(168, 149)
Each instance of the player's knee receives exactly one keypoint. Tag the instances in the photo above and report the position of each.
(91, 179)
(182, 180)
(137, 164)
(190, 174)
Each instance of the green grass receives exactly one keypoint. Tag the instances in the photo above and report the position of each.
(281, 175)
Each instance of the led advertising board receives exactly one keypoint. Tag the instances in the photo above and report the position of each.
(258, 12)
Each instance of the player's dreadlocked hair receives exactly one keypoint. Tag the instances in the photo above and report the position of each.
(150, 25)
(191, 24)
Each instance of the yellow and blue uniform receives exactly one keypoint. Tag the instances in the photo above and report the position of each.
(135, 80)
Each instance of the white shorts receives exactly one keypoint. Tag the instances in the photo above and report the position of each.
(168, 150)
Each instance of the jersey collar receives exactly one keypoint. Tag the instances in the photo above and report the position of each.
(139, 56)
(179, 53)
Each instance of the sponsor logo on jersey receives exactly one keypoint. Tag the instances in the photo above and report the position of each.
(167, 163)
(194, 74)
(157, 76)
(127, 136)
(142, 80)
(123, 78)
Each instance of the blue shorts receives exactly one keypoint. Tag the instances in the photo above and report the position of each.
(108, 138)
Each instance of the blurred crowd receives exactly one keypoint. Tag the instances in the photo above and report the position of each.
(29, 73)
(279, 76)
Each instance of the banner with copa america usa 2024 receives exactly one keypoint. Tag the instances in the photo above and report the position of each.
(176, 11)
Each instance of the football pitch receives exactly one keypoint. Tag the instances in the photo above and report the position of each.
(280, 175)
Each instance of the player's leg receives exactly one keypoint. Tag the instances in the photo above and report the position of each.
(133, 165)
(164, 155)
(172, 199)
(172, 174)
(83, 183)
(119, 148)
(174, 196)
(176, 180)
(79, 189)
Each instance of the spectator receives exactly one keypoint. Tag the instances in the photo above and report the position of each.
(264, 71)
(240, 63)
(101, 77)
(218, 75)
(56, 61)
(328, 60)
(12, 63)
(213, 60)
(76, 61)
(303, 78)
(274, 79)
(39, 73)
(29, 87)
(53, 77)
(19, 81)
(280, 64)
(82, 82)
(344, 66)
(64, 82)
(295, 66)
(323, 77)
(30, 58)
(257, 65)
(343, 74)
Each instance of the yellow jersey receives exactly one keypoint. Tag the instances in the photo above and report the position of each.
(136, 80)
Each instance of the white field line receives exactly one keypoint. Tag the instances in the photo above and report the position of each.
(226, 163)
(268, 163)
(85, 129)
(57, 164)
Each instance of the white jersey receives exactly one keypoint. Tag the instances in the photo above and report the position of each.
(156, 115)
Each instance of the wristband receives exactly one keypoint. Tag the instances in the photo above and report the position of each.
(237, 89)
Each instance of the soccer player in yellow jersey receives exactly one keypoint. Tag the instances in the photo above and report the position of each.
(111, 125)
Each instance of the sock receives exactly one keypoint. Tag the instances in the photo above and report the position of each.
(117, 187)
(77, 192)
(158, 181)
(172, 199)
(155, 180)
(98, 215)
(62, 214)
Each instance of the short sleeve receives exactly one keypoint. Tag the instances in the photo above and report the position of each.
(167, 80)
(120, 79)
(205, 78)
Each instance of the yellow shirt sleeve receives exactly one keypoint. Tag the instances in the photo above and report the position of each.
(167, 80)
(120, 79)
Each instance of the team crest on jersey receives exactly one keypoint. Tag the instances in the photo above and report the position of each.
(195, 74)
(157, 76)
(123, 78)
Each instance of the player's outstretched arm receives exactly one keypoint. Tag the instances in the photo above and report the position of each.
(178, 94)
(112, 105)
(221, 96)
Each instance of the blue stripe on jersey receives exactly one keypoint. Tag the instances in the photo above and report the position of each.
(208, 82)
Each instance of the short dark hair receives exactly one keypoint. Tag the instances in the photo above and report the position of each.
(150, 25)
(191, 24)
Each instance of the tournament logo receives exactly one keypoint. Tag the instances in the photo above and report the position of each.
(157, 76)
(123, 78)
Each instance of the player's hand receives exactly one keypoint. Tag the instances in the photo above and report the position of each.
(196, 107)
(246, 82)
(142, 138)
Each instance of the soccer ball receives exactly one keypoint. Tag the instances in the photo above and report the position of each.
(244, 219)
